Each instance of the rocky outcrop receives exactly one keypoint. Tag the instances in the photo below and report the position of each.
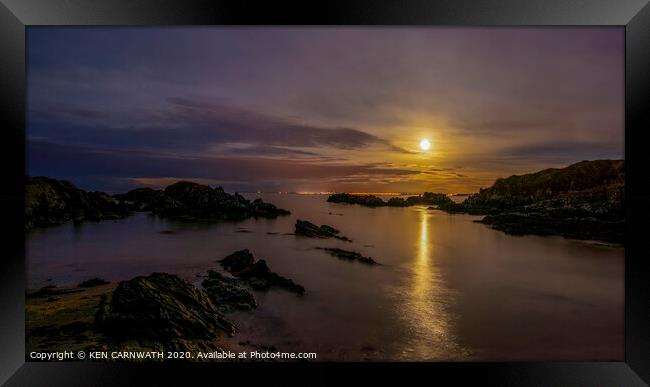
(228, 294)
(144, 199)
(156, 313)
(348, 255)
(51, 201)
(427, 198)
(190, 201)
(582, 201)
(585, 182)
(243, 265)
(364, 200)
(308, 229)
(161, 307)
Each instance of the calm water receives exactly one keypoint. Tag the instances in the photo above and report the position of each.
(448, 289)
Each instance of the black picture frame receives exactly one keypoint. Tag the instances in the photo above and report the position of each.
(16, 15)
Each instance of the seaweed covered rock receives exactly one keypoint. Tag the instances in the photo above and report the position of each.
(308, 229)
(256, 273)
(228, 294)
(348, 255)
(162, 307)
(51, 201)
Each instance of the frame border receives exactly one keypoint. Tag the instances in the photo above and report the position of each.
(16, 15)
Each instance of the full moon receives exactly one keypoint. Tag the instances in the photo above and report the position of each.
(425, 144)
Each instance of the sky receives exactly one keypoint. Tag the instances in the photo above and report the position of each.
(320, 109)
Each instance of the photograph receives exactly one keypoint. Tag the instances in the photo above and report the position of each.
(325, 193)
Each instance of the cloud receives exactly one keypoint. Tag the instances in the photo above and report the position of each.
(60, 160)
(571, 151)
(195, 125)
(238, 124)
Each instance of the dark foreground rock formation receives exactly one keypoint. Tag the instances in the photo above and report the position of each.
(159, 312)
(308, 229)
(186, 200)
(161, 307)
(256, 273)
(50, 202)
(348, 255)
(228, 294)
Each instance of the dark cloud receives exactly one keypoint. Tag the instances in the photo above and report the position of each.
(571, 151)
(261, 150)
(195, 125)
(59, 160)
(237, 124)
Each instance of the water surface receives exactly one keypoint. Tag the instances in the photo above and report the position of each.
(448, 288)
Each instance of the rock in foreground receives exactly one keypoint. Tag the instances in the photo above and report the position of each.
(348, 255)
(256, 273)
(228, 294)
(308, 229)
(161, 307)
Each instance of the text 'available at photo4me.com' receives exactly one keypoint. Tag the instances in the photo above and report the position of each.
(170, 355)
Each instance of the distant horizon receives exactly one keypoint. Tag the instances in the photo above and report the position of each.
(417, 109)
(287, 192)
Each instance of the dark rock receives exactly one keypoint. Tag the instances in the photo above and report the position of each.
(228, 294)
(364, 200)
(161, 307)
(348, 255)
(427, 198)
(397, 202)
(93, 282)
(544, 223)
(582, 201)
(190, 201)
(143, 199)
(256, 273)
(586, 178)
(50, 202)
(237, 261)
(437, 200)
(308, 229)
